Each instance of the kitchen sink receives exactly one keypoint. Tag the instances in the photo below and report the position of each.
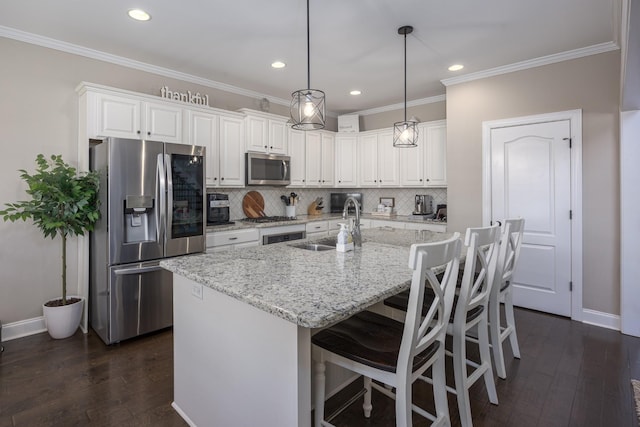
(314, 247)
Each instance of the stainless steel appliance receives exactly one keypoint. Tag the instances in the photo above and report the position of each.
(218, 209)
(267, 169)
(152, 202)
(423, 205)
(336, 204)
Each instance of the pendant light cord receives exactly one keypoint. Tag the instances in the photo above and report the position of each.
(309, 52)
(405, 76)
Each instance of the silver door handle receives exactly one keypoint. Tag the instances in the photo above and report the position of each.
(169, 205)
(284, 165)
(140, 270)
(160, 206)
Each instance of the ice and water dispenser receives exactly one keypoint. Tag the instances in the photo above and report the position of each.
(140, 223)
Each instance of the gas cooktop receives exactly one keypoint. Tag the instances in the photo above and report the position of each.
(264, 219)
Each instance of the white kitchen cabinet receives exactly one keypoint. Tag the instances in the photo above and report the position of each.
(202, 129)
(346, 155)
(320, 159)
(266, 133)
(436, 160)
(222, 137)
(231, 154)
(378, 160)
(388, 160)
(425, 166)
(296, 139)
(130, 117)
(317, 228)
(328, 159)
(218, 241)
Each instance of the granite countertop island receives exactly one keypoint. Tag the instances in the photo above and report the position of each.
(243, 321)
(311, 289)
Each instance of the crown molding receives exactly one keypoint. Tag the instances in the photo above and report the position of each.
(50, 43)
(400, 105)
(532, 63)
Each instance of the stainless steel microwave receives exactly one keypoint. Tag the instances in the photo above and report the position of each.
(267, 169)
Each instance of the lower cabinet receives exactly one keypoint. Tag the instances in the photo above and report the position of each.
(317, 228)
(233, 239)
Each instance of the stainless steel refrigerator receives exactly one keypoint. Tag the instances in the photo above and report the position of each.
(152, 201)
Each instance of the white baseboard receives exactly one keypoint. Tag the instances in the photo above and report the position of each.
(602, 319)
(23, 328)
(184, 416)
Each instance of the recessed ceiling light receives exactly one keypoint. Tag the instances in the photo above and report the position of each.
(139, 15)
(355, 92)
(456, 67)
(278, 64)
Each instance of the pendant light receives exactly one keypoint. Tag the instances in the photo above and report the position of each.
(405, 133)
(307, 105)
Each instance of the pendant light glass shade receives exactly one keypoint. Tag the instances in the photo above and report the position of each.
(405, 133)
(307, 109)
(307, 105)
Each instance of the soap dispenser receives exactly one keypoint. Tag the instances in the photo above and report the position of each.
(345, 241)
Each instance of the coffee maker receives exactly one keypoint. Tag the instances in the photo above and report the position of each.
(423, 204)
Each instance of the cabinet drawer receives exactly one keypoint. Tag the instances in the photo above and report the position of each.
(317, 226)
(220, 238)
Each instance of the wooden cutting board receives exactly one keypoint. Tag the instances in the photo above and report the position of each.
(253, 205)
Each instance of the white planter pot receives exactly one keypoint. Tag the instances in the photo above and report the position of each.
(63, 321)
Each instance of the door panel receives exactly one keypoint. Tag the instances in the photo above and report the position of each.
(141, 300)
(530, 167)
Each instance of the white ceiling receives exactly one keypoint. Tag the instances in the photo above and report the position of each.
(354, 43)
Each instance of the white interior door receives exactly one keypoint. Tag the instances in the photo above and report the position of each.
(531, 178)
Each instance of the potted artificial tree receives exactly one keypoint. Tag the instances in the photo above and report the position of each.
(63, 203)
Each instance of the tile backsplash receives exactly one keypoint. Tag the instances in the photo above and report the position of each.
(403, 198)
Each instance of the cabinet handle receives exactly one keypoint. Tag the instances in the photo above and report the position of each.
(303, 180)
(233, 238)
(420, 179)
(318, 180)
(265, 146)
(221, 179)
(427, 179)
(138, 132)
(215, 179)
(323, 180)
(149, 133)
(271, 147)
(339, 181)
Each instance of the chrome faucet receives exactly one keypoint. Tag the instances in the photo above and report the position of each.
(355, 232)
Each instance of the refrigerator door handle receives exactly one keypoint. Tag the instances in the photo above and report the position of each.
(160, 209)
(139, 270)
(169, 205)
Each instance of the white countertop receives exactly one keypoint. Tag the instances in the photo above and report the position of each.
(308, 288)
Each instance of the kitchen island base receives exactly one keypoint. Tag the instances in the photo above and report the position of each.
(236, 365)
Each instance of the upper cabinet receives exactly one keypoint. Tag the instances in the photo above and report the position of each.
(346, 155)
(222, 135)
(297, 152)
(425, 166)
(265, 133)
(378, 159)
(128, 117)
(231, 151)
(320, 159)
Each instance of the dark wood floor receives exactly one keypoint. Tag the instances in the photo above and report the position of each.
(570, 374)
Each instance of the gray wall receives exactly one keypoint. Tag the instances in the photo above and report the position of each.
(590, 84)
(425, 113)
